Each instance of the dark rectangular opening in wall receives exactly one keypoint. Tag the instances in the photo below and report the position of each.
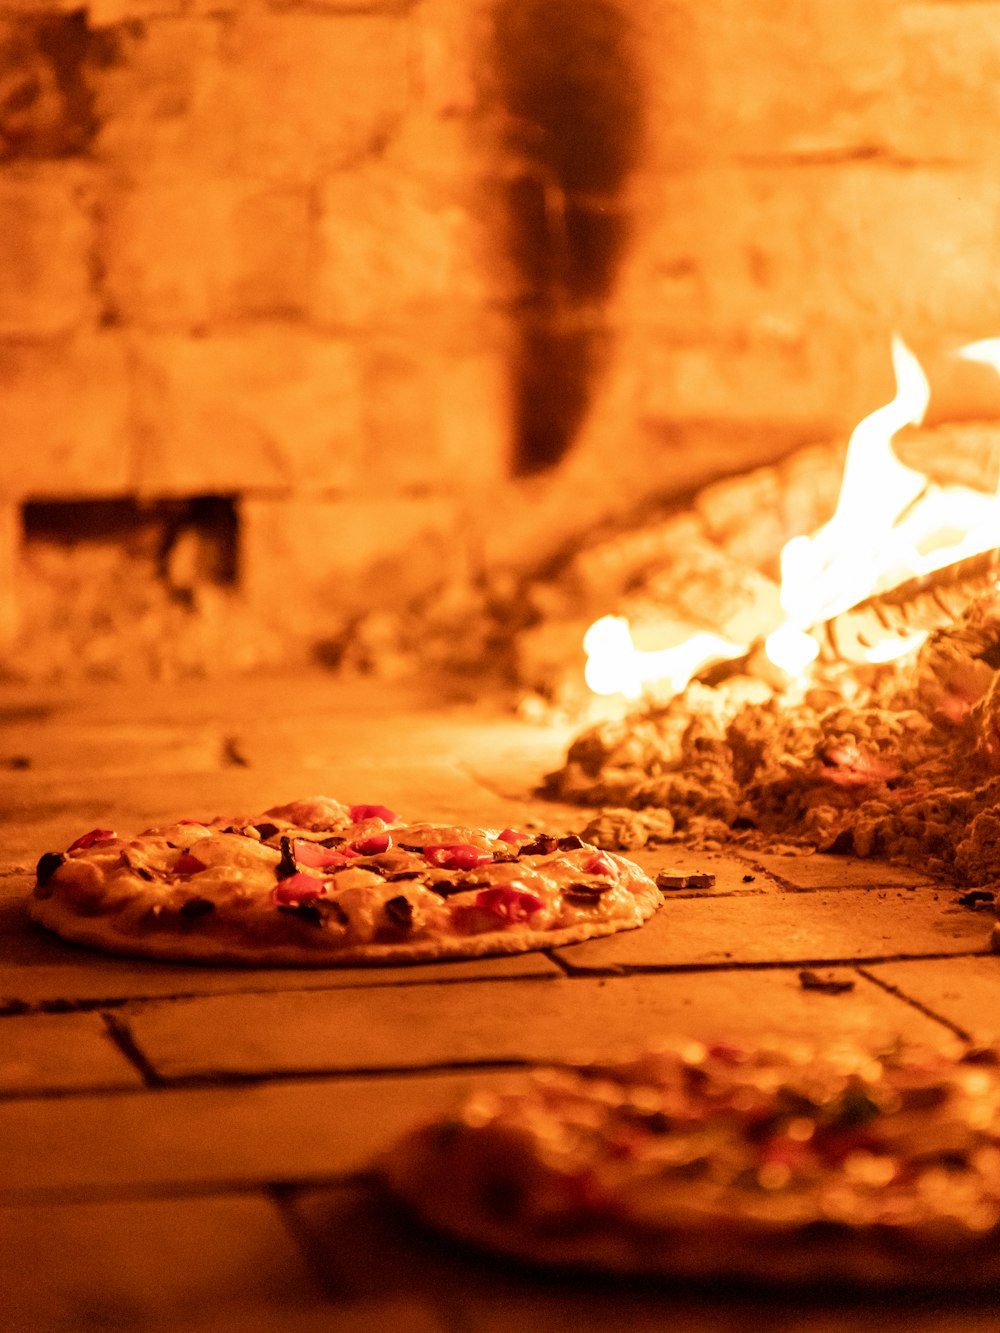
(194, 537)
(127, 588)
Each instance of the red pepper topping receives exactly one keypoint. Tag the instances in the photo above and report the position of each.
(297, 889)
(512, 835)
(317, 857)
(186, 864)
(91, 839)
(372, 846)
(360, 812)
(456, 856)
(598, 864)
(508, 904)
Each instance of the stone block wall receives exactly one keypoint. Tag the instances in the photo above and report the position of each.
(426, 286)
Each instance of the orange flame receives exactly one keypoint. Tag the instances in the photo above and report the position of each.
(891, 523)
(616, 666)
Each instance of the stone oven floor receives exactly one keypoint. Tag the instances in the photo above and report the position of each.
(185, 1148)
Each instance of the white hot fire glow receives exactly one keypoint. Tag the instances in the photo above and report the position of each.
(891, 523)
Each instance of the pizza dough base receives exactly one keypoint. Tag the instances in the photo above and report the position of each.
(698, 1246)
(98, 932)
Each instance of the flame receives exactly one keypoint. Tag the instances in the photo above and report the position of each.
(616, 666)
(830, 571)
(791, 649)
(891, 523)
(890, 650)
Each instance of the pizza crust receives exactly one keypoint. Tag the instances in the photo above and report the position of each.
(706, 1249)
(506, 1173)
(99, 933)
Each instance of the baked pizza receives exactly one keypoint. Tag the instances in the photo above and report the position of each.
(317, 882)
(774, 1162)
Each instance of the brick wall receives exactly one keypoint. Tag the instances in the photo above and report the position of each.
(406, 278)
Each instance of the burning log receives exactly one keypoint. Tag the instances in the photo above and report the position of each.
(920, 605)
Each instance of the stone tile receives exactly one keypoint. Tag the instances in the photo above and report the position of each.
(731, 874)
(10, 573)
(233, 249)
(370, 275)
(964, 991)
(281, 407)
(451, 397)
(483, 1023)
(787, 928)
(66, 417)
(39, 969)
(145, 100)
(61, 1052)
(363, 56)
(949, 55)
(44, 244)
(757, 100)
(366, 1245)
(324, 1316)
(122, 1144)
(821, 871)
(402, 1315)
(595, 1307)
(329, 548)
(101, 1266)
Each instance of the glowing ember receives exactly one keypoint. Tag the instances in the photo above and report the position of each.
(891, 523)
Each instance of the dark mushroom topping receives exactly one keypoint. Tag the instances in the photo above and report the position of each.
(399, 910)
(444, 888)
(543, 845)
(263, 831)
(196, 907)
(589, 891)
(286, 867)
(304, 911)
(571, 842)
(48, 864)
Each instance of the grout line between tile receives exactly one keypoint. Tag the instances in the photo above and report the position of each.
(761, 965)
(121, 1034)
(921, 1008)
(14, 1008)
(282, 1197)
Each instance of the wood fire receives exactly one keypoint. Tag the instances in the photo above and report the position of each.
(882, 738)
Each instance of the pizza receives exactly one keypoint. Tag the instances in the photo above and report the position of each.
(773, 1162)
(318, 882)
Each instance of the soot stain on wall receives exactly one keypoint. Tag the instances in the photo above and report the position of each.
(46, 105)
(570, 108)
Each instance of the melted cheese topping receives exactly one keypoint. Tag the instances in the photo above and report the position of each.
(778, 1136)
